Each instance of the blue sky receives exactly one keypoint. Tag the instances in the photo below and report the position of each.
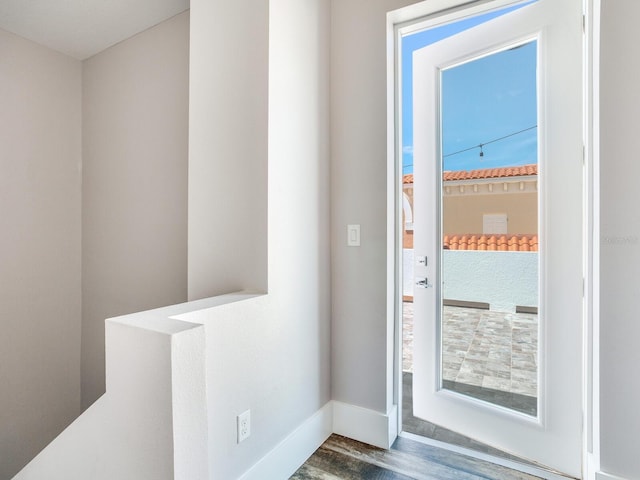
(483, 100)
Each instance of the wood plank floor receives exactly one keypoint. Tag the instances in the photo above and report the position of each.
(340, 458)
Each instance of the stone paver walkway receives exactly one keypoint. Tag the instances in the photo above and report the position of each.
(486, 349)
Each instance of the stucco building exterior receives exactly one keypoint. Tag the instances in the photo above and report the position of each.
(493, 202)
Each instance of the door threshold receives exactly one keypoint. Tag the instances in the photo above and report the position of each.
(537, 471)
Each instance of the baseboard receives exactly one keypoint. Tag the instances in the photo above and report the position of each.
(607, 476)
(293, 451)
(357, 423)
(365, 425)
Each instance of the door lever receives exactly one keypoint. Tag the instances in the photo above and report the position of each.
(423, 283)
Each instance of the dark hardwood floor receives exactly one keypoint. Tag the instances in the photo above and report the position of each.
(340, 458)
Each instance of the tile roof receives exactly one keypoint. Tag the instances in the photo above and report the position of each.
(485, 173)
(494, 242)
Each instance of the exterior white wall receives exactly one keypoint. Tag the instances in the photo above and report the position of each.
(270, 354)
(504, 280)
(361, 374)
(40, 156)
(619, 239)
(407, 272)
(134, 205)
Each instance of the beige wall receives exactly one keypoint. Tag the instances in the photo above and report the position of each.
(39, 248)
(362, 335)
(619, 237)
(134, 211)
(463, 213)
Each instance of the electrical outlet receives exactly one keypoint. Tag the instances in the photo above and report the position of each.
(244, 425)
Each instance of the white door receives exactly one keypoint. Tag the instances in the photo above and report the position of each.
(550, 434)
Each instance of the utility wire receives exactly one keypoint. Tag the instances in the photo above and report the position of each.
(480, 145)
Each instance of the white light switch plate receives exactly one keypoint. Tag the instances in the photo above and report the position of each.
(353, 235)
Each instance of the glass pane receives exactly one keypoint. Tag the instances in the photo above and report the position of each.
(489, 320)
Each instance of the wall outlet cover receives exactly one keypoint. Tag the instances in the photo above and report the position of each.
(244, 425)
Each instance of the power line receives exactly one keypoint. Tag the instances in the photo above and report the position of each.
(480, 145)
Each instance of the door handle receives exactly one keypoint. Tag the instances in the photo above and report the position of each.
(423, 283)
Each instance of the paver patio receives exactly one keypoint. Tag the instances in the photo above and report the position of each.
(491, 350)
(487, 355)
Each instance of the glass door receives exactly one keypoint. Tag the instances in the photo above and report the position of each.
(497, 223)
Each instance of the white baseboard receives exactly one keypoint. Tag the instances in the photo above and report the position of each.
(357, 423)
(293, 451)
(365, 425)
(607, 476)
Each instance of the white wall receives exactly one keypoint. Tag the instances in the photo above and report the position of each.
(151, 423)
(271, 354)
(407, 272)
(620, 239)
(134, 205)
(504, 280)
(360, 371)
(39, 247)
(228, 148)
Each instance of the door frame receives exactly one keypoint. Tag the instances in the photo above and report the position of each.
(412, 18)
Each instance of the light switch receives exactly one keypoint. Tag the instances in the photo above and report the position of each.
(353, 235)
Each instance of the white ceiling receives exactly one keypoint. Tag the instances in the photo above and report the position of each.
(82, 28)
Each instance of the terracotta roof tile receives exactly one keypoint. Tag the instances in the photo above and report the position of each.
(503, 172)
(491, 173)
(492, 242)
